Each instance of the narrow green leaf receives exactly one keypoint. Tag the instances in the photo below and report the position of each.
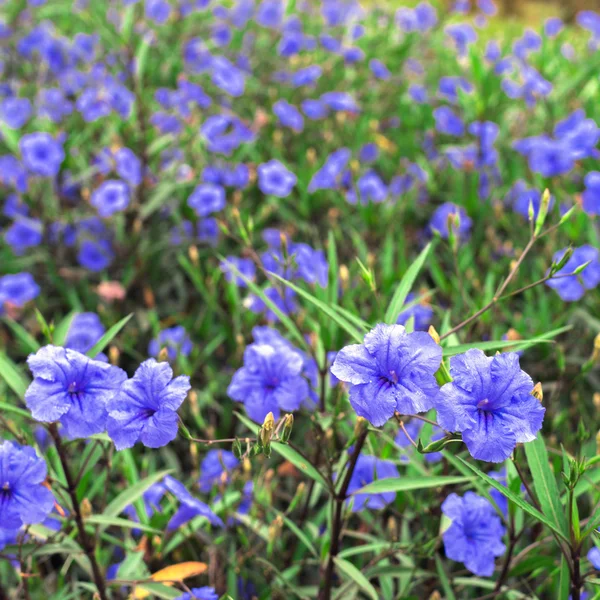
(131, 494)
(356, 576)
(159, 590)
(285, 320)
(500, 344)
(591, 525)
(14, 378)
(355, 334)
(448, 591)
(564, 582)
(4, 406)
(407, 484)
(28, 341)
(62, 329)
(108, 337)
(298, 461)
(536, 514)
(544, 483)
(405, 285)
(107, 521)
(299, 534)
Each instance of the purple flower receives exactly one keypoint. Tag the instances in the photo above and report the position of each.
(157, 11)
(225, 133)
(571, 289)
(207, 198)
(14, 207)
(553, 26)
(591, 195)
(144, 409)
(15, 112)
(368, 469)
(475, 534)
(371, 188)
(489, 401)
(270, 13)
(269, 381)
(203, 593)
(449, 213)
(128, 166)
(340, 101)
(580, 135)
(594, 557)
(422, 314)
(227, 77)
(448, 122)
(215, 469)
(24, 500)
(244, 265)
(71, 388)
(391, 371)
(24, 233)
(288, 115)
(85, 330)
(18, 289)
(379, 69)
(112, 196)
(307, 75)
(42, 154)
(531, 197)
(95, 255)
(462, 34)
(175, 339)
(190, 507)
(275, 180)
(327, 176)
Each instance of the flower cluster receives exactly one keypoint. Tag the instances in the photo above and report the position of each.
(89, 396)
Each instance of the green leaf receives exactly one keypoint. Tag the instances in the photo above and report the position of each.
(500, 344)
(354, 333)
(132, 493)
(544, 483)
(4, 406)
(285, 320)
(355, 575)
(405, 285)
(298, 461)
(564, 582)
(13, 377)
(536, 514)
(407, 484)
(448, 591)
(107, 521)
(591, 525)
(62, 329)
(299, 534)
(28, 341)
(108, 337)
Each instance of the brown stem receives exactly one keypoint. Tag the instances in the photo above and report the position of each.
(87, 543)
(336, 528)
(498, 293)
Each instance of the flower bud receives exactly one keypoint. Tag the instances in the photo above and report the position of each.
(432, 331)
(194, 255)
(288, 424)
(537, 391)
(86, 508)
(361, 425)
(267, 429)
(163, 355)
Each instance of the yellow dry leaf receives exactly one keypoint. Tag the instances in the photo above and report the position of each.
(171, 575)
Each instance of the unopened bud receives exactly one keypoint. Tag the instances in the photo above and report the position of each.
(361, 425)
(598, 443)
(267, 429)
(542, 212)
(275, 527)
(113, 355)
(237, 448)
(194, 255)
(596, 400)
(287, 428)
(86, 508)
(435, 595)
(581, 268)
(311, 156)
(555, 267)
(432, 331)
(344, 276)
(163, 355)
(537, 391)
